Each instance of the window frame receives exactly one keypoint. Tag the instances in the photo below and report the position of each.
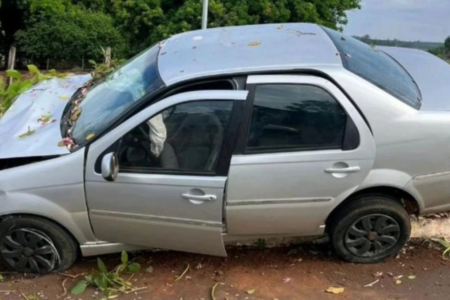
(224, 158)
(350, 141)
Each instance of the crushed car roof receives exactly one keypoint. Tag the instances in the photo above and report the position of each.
(244, 49)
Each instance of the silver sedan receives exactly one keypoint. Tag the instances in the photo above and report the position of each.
(228, 134)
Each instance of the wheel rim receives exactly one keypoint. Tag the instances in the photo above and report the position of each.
(372, 235)
(29, 251)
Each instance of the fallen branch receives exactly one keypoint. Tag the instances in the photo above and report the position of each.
(372, 284)
(182, 274)
(7, 291)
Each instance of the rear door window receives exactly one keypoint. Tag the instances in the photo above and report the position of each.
(288, 117)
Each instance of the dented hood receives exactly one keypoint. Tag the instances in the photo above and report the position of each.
(431, 74)
(31, 127)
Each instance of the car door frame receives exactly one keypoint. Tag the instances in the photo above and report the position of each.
(249, 217)
(209, 232)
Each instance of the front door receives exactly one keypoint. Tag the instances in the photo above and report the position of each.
(307, 148)
(174, 159)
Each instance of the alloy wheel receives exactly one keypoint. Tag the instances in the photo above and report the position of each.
(29, 251)
(372, 235)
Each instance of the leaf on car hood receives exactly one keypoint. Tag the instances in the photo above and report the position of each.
(253, 44)
(26, 134)
(46, 119)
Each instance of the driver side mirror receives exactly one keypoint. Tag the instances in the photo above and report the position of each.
(110, 167)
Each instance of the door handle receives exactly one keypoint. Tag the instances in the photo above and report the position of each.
(343, 170)
(199, 197)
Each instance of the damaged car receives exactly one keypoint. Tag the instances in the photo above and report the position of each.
(223, 135)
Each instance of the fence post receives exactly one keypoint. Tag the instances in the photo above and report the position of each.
(11, 60)
(108, 57)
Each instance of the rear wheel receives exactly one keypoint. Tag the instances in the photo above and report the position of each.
(369, 229)
(35, 245)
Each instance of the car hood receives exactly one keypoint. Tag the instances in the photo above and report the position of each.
(31, 127)
(431, 74)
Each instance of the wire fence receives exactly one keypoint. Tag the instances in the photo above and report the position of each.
(48, 64)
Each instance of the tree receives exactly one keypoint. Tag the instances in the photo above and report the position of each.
(137, 19)
(70, 28)
(93, 5)
(70, 32)
(12, 18)
(447, 44)
(148, 21)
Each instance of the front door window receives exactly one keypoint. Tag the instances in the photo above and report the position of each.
(184, 138)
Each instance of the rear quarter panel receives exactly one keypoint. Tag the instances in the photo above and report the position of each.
(413, 146)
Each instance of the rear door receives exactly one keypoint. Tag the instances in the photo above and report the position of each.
(304, 150)
(174, 158)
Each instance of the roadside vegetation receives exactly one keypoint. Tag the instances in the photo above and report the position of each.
(76, 29)
(15, 84)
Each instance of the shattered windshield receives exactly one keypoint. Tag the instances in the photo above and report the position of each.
(94, 108)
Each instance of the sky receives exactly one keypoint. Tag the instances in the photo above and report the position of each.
(409, 20)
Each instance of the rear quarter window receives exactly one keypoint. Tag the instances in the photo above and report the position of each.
(376, 67)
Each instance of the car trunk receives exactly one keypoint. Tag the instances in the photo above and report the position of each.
(431, 74)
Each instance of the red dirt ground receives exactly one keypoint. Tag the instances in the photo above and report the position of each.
(288, 273)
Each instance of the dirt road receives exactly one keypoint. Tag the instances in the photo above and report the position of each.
(283, 273)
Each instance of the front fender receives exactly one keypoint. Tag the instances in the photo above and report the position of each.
(52, 189)
(24, 203)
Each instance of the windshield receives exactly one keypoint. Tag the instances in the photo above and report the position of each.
(376, 67)
(94, 109)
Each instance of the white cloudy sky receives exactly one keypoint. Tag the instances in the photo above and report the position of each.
(411, 20)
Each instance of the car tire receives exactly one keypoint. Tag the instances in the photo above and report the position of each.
(35, 245)
(369, 229)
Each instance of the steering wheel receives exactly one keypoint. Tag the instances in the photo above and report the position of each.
(136, 141)
(145, 134)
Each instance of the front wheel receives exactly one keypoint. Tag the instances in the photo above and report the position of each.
(369, 229)
(35, 245)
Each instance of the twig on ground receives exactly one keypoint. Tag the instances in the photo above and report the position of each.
(135, 290)
(213, 291)
(71, 276)
(372, 284)
(182, 274)
(64, 289)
